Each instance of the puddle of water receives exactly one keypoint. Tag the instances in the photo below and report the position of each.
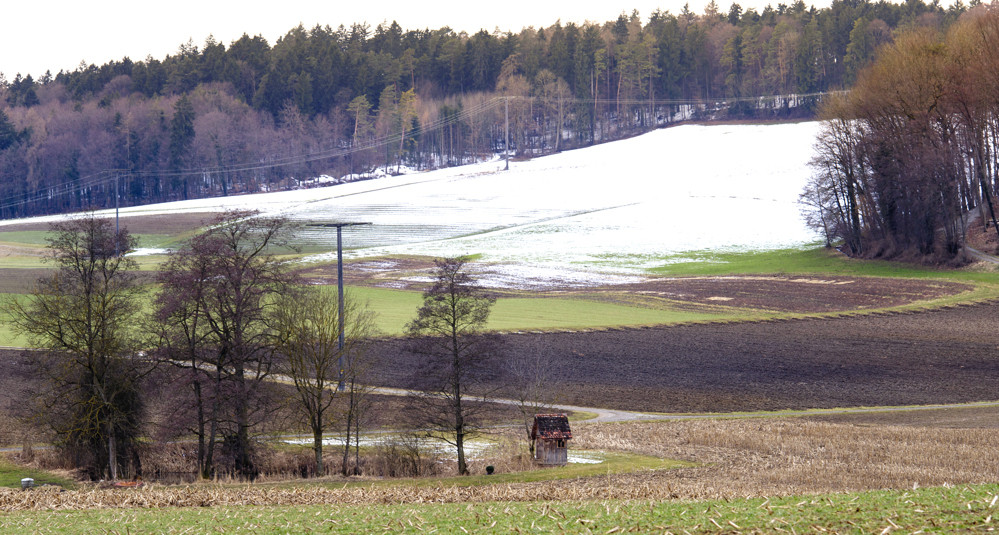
(474, 449)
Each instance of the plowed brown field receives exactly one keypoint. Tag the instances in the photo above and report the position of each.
(941, 356)
(927, 357)
(795, 293)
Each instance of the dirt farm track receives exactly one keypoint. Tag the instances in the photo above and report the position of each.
(941, 356)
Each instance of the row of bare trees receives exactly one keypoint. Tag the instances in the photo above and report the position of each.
(233, 319)
(229, 324)
(215, 312)
(914, 146)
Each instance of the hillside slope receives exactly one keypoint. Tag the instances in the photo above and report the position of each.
(617, 207)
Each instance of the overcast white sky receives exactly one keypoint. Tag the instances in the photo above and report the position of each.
(41, 35)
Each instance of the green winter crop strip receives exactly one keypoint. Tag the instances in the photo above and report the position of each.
(813, 260)
(395, 308)
(24, 258)
(946, 509)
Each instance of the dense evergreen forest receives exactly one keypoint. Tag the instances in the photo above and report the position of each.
(254, 116)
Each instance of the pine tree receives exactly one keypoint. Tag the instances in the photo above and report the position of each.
(8, 132)
(181, 140)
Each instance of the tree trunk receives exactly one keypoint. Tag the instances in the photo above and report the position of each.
(346, 443)
(594, 84)
(459, 431)
(855, 231)
(460, 444)
(112, 453)
(244, 467)
(201, 427)
(209, 469)
(459, 414)
(317, 445)
(558, 127)
(402, 143)
(357, 446)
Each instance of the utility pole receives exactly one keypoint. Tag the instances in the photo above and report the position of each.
(117, 252)
(506, 147)
(339, 287)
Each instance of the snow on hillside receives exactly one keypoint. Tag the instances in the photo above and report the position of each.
(618, 207)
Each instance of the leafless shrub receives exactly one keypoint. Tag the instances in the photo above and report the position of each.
(404, 456)
(9, 430)
(169, 458)
(509, 454)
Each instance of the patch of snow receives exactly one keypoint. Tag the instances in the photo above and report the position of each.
(585, 457)
(474, 449)
(582, 216)
(544, 277)
(146, 251)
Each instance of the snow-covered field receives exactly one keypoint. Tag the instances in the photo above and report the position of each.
(584, 216)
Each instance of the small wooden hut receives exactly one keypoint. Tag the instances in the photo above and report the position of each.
(550, 436)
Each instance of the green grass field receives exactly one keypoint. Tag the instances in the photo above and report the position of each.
(7, 335)
(37, 238)
(11, 476)
(395, 308)
(25, 237)
(940, 510)
(812, 260)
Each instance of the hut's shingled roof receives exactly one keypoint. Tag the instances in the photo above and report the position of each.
(551, 427)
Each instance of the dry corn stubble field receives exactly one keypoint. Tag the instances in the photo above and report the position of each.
(736, 459)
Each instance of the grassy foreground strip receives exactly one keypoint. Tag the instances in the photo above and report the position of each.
(946, 510)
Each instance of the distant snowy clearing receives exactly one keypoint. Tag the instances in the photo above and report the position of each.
(602, 214)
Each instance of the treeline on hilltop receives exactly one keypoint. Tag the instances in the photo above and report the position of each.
(913, 150)
(218, 120)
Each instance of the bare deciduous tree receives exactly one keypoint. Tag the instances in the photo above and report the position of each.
(184, 341)
(457, 356)
(355, 405)
(904, 158)
(231, 271)
(308, 329)
(85, 316)
(534, 384)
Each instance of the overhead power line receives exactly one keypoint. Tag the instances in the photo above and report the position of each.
(109, 176)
